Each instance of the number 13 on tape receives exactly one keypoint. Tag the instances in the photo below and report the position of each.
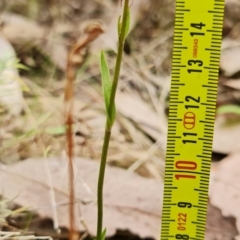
(195, 70)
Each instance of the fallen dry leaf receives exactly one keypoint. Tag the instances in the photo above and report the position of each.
(131, 202)
(224, 189)
(230, 57)
(226, 136)
(235, 84)
(18, 29)
(143, 115)
(219, 227)
(232, 10)
(56, 50)
(231, 18)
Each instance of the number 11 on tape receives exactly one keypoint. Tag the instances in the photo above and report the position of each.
(195, 70)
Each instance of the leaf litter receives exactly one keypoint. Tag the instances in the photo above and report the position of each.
(224, 188)
(141, 89)
(133, 204)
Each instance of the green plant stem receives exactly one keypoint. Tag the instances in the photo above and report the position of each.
(100, 183)
(108, 126)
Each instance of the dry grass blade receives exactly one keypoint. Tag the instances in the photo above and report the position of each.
(76, 58)
(18, 236)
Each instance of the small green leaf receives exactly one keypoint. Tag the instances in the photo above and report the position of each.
(56, 130)
(127, 23)
(21, 66)
(119, 25)
(103, 234)
(226, 109)
(106, 82)
(46, 151)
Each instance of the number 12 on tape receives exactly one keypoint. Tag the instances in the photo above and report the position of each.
(195, 70)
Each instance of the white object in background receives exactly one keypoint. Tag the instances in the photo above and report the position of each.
(11, 97)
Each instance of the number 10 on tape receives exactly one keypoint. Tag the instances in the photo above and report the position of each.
(195, 70)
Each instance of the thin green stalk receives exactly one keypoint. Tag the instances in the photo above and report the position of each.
(109, 124)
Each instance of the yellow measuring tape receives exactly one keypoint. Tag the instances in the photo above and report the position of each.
(195, 70)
